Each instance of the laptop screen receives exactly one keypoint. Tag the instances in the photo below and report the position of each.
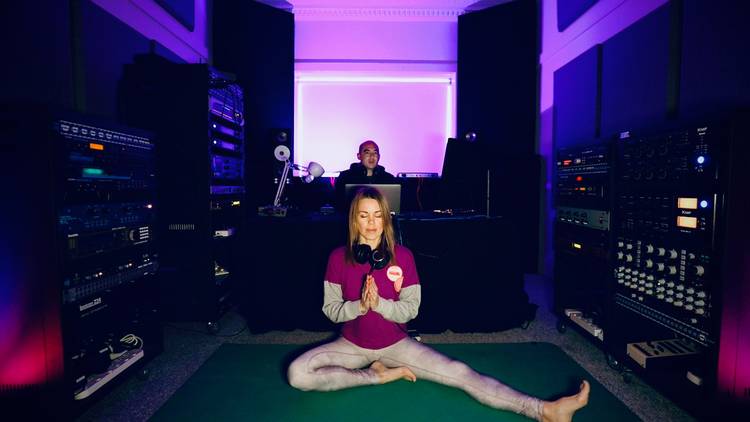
(391, 192)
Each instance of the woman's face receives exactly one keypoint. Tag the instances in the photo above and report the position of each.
(369, 221)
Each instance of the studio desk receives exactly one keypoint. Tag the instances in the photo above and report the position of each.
(471, 276)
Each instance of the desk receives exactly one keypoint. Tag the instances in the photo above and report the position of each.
(472, 279)
(282, 269)
(470, 271)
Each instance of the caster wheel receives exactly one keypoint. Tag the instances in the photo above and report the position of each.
(561, 327)
(613, 362)
(525, 325)
(213, 327)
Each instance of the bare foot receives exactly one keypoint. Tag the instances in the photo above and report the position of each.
(562, 410)
(387, 374)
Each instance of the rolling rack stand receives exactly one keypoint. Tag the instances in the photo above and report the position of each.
(583, 241)
(81, 300)
(197, 114)
(678, 273)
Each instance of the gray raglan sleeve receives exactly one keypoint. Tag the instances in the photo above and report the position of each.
(334, 306)
(405, 308)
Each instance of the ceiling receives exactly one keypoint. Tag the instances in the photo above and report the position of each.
(467, 5)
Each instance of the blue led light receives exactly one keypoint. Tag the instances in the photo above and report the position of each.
(701, 159)
(704, 203)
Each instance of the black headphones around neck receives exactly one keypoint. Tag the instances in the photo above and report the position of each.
(377, 258)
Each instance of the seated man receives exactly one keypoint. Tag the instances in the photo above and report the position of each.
(367, 171)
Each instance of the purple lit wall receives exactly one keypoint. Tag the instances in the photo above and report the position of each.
(409, 117)
(31, 340)
(603, 20)
(153, 22)
(31, 346)
(409, 109)
(377, 41)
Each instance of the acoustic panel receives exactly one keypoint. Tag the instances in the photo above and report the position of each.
(568, 11)
(635, 67)
(498, 57)
(107, 44)
(715, 58)
(37, 53)
(577, 99)
(182, 10)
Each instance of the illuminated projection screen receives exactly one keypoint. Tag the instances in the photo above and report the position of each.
(410, 117)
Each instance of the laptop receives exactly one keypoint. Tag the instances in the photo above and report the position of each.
(391, 192)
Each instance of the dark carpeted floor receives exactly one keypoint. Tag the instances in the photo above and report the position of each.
(188, 345)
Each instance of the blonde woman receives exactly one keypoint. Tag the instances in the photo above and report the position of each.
(372, 287)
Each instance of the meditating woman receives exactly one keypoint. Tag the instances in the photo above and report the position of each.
(371, 286)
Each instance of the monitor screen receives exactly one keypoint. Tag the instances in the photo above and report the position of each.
(464, 159)
(391, 192)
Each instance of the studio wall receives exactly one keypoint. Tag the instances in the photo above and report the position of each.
(69, 54)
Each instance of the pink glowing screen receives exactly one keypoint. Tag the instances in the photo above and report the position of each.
(410, 117)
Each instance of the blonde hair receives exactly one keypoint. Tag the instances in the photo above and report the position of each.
(387, 238)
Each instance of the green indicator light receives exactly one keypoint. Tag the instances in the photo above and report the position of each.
(92, 172)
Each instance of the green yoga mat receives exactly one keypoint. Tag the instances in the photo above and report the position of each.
(248, 383)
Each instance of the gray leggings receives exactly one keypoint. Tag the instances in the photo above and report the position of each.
(338, 365)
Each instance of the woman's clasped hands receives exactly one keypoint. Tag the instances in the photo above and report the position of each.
(370, 297)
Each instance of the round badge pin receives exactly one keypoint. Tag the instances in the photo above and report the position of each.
(394, 273)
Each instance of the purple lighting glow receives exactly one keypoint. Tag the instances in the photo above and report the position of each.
(409, 115)
(374, 79)
(154, 22)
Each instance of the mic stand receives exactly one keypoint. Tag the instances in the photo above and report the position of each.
(276, 210)
(282, 183)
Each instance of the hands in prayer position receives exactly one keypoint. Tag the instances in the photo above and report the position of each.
(370, 297)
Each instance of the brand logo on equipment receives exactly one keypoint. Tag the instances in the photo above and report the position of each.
(394, 272)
